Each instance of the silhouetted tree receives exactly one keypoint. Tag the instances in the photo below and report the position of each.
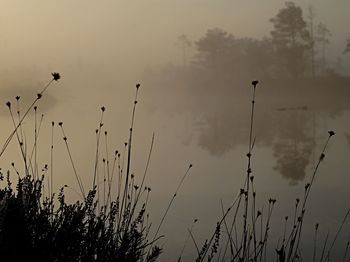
(214, 49)
(291, 39)
(311, 19)
(322, 38)
(228, 58)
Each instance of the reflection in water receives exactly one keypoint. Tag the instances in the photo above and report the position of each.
(290, 134)
(294, 145)
(292, 159)
(289, 114)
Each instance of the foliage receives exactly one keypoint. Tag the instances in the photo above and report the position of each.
(31, 228)
(291, 38)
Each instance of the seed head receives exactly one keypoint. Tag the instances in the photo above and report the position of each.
(18, 97)
(138, 85)
(307, 186)
(255, 83)
(56, 76)
(8, 104)
(331, 133)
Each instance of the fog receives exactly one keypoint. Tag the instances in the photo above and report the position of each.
(199, 115)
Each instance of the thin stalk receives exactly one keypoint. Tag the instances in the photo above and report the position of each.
(98, 133)
(129, 152)
(337, 234)
(39, 96)
(315, 243)
(249, 155)
(169, 205)
(72, 162)
(324, 246)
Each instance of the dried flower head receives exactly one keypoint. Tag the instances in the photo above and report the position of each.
(39, 95)
(322, 156)
(8, 104)
(307, 186)
(331, 133)
(56, 76)
(18, 97)
(138, 85)
(255, 83)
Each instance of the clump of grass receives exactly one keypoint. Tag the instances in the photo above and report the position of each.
(39, 226)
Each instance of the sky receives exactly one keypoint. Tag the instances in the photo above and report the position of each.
(103, 48)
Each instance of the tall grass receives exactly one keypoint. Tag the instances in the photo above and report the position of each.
(35, 225)
(100, 226)
(246, 239)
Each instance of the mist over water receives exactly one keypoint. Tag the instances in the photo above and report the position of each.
(197, 105)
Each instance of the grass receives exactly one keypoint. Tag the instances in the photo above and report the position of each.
(101, 226)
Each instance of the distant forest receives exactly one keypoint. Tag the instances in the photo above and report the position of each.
(297, 80)
(296, 48)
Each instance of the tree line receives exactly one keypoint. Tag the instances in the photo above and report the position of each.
(296, 48)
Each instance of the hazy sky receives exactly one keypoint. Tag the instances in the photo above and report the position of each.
(102, 48)
(121, 35)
